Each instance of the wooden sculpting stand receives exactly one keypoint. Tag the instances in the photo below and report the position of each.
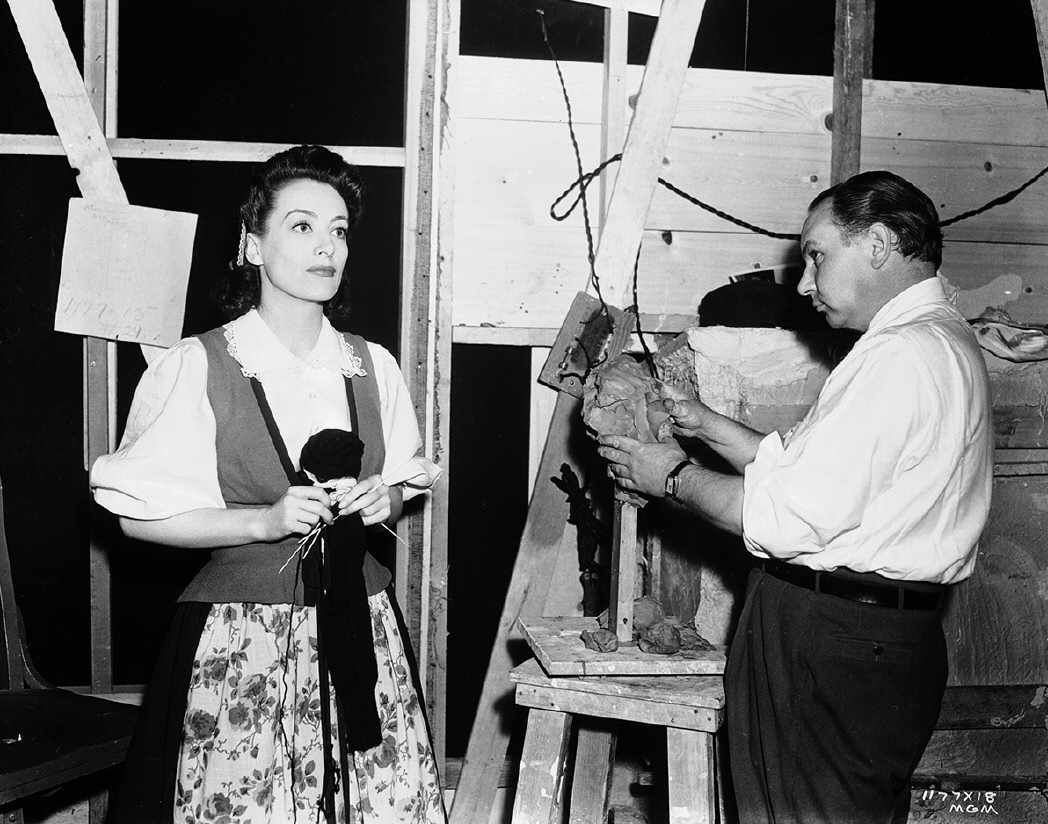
(690, 707)
(557, 642)
(683, 693)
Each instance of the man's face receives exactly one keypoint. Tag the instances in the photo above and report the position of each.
(835, 272)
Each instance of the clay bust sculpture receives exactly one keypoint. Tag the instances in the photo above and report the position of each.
(615, 401)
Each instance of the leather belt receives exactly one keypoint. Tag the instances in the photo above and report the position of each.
(886, 594)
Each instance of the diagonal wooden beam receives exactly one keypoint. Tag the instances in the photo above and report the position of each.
(85, 146)
(634, 188)
(1040, 19)
(644, 151)
(70, 106)
(67, 99)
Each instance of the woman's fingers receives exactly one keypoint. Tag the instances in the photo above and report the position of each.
(370, 497)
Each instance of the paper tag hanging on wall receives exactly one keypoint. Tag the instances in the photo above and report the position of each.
(125, 270)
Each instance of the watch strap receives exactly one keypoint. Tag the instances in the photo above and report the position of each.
(672, 480)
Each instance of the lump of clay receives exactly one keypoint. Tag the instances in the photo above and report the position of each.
(659, 639)
(601, 640)
(615, 401)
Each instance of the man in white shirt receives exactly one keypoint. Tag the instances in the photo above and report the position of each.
(858, 520)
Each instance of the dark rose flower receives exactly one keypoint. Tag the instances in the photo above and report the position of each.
(332, 453)
(254, 688)
(386, 752)
(218, 808)
(200, 724)
(214, 669)
(239, 716)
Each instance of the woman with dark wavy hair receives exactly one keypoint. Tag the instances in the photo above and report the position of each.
(284, 691)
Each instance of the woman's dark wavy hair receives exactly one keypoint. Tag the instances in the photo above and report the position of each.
(883, 197)
(239, 289)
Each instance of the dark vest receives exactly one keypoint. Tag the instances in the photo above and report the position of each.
(250, 474)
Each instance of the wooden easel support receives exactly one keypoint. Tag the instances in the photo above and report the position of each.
(623, 570)
(620, 238)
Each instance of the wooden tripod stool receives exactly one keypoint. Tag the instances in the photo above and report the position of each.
(690, 707)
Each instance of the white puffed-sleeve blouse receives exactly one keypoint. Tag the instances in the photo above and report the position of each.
(166, 463)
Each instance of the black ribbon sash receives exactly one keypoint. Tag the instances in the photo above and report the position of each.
(333, 582)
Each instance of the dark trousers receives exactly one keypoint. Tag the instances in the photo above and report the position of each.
(830, 704)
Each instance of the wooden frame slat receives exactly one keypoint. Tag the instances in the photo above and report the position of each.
(422, 571)
(204, 150)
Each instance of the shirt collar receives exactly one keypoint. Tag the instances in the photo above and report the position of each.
(253, 345)
(903, 305)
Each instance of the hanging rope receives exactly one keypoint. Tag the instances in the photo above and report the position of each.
(590, 254)
(585, 179)
(997, 201)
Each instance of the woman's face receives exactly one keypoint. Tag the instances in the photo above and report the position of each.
(302, 252)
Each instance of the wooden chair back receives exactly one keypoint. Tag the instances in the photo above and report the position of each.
(50, 736)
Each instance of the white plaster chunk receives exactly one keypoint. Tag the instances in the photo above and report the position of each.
(735, 367)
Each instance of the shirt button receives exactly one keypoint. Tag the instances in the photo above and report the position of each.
(877, 649)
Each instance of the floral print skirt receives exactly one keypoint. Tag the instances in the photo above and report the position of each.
(252, 748)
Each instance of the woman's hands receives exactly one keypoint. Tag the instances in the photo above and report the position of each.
(376, 502)
(303, 507)
(299, 510)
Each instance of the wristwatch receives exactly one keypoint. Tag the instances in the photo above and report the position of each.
(673, 479)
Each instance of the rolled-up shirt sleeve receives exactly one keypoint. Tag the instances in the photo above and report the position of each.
(166, 463)
(404, 465)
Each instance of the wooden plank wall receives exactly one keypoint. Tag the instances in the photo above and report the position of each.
(752, 144)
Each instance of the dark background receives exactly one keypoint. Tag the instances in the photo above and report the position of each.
(332, 71)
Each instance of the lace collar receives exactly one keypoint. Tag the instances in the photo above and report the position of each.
(252, 344)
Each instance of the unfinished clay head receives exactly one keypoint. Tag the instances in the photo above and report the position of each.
(615, 401)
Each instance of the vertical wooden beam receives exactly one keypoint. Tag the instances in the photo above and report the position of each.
(593, 770)
(634, 187)
(422, 571)
(1040, 19)
(624, 563)
(852, 58)
(540, 782)
(100, 355)
(690, 776)
(100, 24)
(542, 403)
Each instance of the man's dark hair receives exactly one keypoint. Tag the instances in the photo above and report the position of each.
(239, 289)
(883, 197)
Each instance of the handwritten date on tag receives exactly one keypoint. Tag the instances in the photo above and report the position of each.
(125, 270)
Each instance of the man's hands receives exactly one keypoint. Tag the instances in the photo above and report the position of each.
(643, 467)
(689, 414)
(640, 467)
